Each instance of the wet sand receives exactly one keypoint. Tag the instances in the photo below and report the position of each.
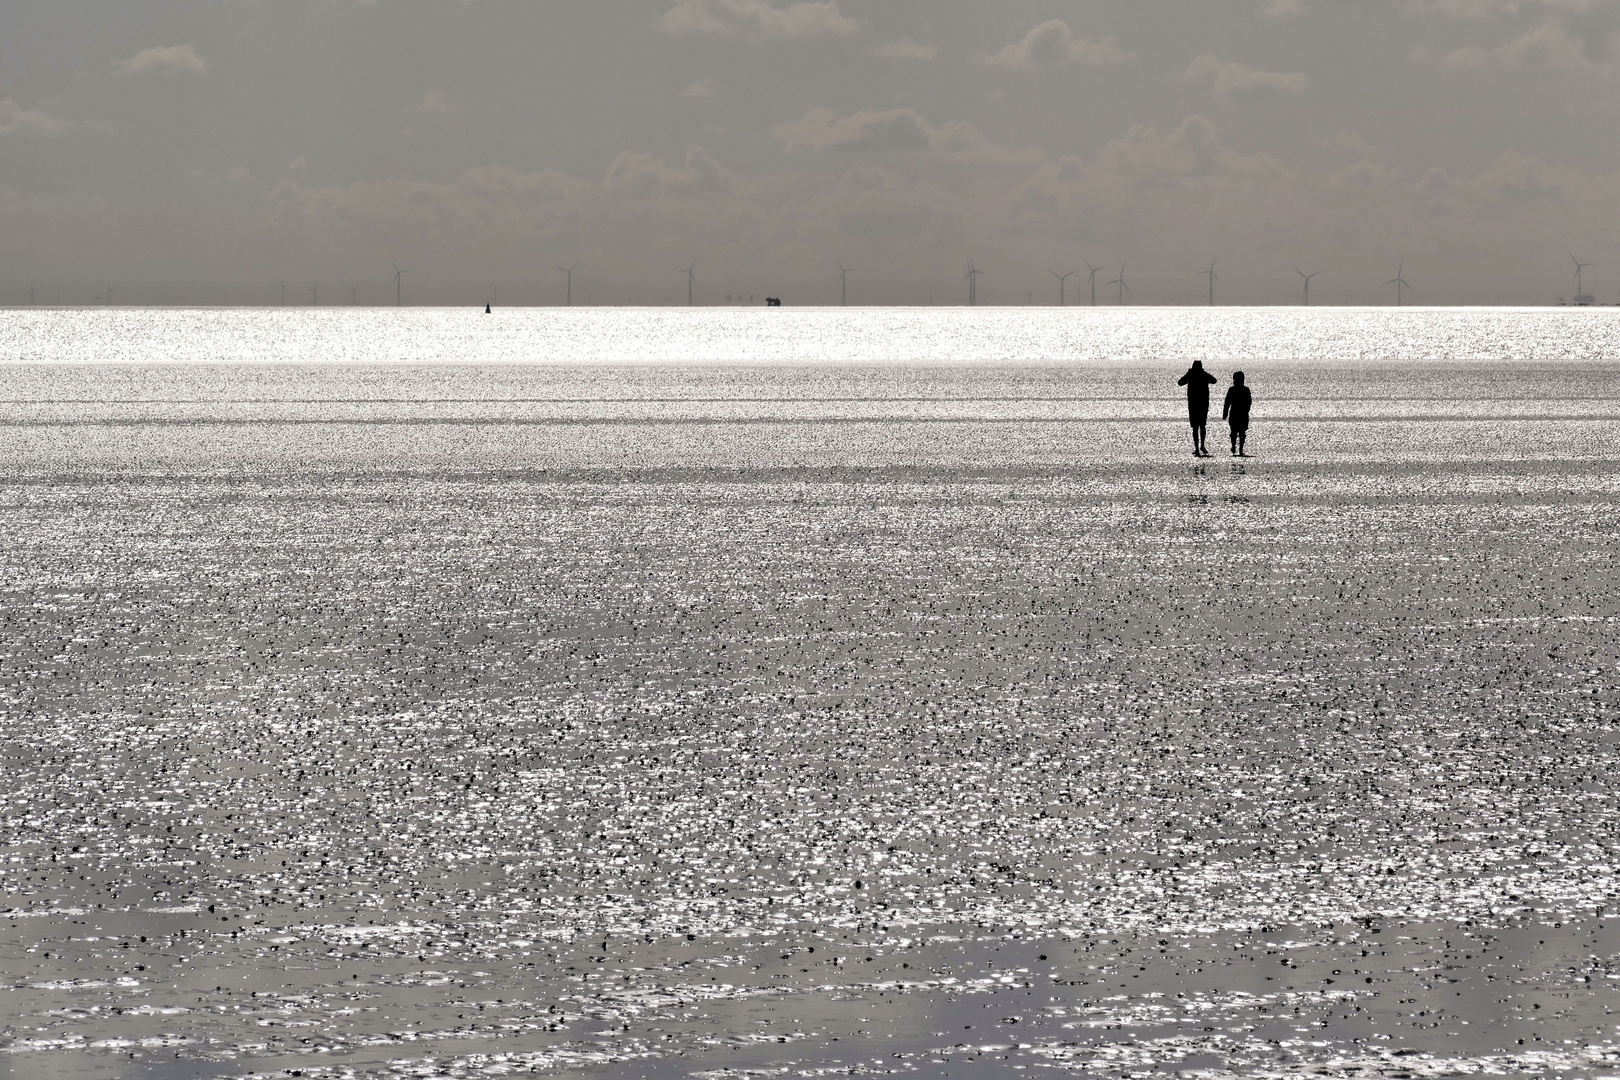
(447, 745)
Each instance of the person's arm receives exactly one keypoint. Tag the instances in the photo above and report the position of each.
(1183, 380)
(1226, 405)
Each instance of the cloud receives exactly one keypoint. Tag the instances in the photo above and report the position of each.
(906, 49)
(701, 89)
(643, 176)
(1279, 9)
(163, 60)
(1228, 80)
(478, 198)
(1054, 42)
(16, 120)
(800, 20)
(889, 130)
(1479, 9)
(1550, 44)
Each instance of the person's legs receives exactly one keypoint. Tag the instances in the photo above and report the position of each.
(1243, 443)
(1195, 434)
(1235, 437)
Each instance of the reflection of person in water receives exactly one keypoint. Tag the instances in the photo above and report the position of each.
(1236, 413)
(1197, 381)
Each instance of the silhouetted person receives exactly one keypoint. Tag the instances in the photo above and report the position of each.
(1197, 381)
(1236, 413)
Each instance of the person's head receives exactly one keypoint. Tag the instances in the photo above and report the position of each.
(1237, 378)
(1198, 365)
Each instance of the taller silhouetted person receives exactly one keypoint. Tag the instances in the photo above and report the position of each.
(1236, 413)
(1198, 381)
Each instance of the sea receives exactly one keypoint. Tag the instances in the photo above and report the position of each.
(724, 693)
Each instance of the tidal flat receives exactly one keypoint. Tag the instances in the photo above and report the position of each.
(430, 722)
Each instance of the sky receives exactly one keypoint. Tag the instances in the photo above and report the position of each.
(235, 151)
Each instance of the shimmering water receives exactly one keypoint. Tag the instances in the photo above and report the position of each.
(556, 710)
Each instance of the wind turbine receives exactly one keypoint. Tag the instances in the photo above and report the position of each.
(315, 294)
(1063, 286)
(1580, 293)
(1399, 282)
(843, 285)
(1213, 278)
(569, 270)
(1307, 278)
(1120, 281)
(691, 276)
(398, 273)
(1095, 270)
(972, 278)
(354, 296)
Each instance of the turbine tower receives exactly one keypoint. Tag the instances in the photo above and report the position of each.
(1095, 270)
(972, 278)
(1399, 282)
(1063, 286)
(398, 273)
(1120, 281)
(1307, 278)
(1213, 278)
(843, 285)
(1580, 293)
(569, 271)
(354, 296)
(691, 276)
(315, 294)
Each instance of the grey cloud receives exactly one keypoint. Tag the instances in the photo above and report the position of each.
(164, 60)
(1551, 43)
(1228, 80)
(906, 49)
(893, 130)
(16, 120)
(1279, 9)
(1479, 9)
(802, 19)
(644, 176)
(1054, 42)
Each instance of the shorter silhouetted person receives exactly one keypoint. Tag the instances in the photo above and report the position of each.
(1197, 381)
(1236, 413)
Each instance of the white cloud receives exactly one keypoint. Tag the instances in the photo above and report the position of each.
(16, 120)
(800, 20)
(163, 60)
(906, 49)
(1054, 42)
(1550, 43)
(1228, 80)
(701, 89)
